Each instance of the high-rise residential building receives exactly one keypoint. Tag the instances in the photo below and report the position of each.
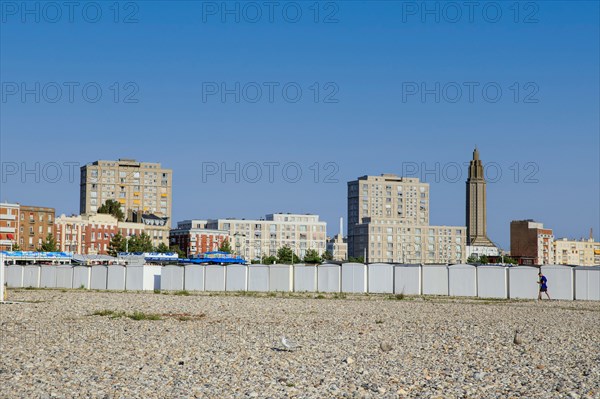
(388, 221)
(476, 212)
(193, 238)
(531, 243)
(140, 187)
(35, 223)
(91, 234)
(9, 225)
(254, 239)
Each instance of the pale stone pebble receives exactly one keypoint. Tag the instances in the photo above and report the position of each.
(360, 347)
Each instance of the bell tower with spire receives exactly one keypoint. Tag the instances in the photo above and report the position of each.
(476, 204)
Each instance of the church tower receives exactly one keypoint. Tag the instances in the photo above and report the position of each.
(476, 204)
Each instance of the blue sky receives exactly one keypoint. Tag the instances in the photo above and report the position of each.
(361, 68)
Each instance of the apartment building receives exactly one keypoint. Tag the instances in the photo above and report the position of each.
(35, 223)
(585, 252)
(142, 187)
(9, 225)
(388, 221)
(91, 234)
(531, 243)
(255, 238)
(193, 238)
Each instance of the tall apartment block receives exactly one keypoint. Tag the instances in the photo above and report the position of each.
(140, 187)
(35, 223)
(254, 239)
(531, 243)
(388, 221)
(9, 225)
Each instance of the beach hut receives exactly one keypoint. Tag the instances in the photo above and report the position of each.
(354, 278)
(329, 278)
(380, 277)
(258, 278)
(492, 281)
(305, 278)
(407, 279)
(434, 279)
(462, 280)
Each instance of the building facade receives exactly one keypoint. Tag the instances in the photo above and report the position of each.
(388, 221)
(9, 225)
(253, 239)
(577, 253)
(531, 243)
(91, 234)
(35, 223)
(141, 187)
(193, 238)
(338, 246)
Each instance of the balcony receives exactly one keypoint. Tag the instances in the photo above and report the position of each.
(7, 217)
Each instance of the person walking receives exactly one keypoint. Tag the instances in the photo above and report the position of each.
(543, 282)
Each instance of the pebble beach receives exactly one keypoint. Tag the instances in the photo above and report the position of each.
(87, 344)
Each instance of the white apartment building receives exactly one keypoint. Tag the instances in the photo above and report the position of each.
(255, 238)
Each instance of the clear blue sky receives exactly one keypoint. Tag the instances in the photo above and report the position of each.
(369, 58)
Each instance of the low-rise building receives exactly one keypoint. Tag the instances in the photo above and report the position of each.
(255, 238)
(35, 223)
(91, 234)
(577, 253)
(9, 225)
(193, 238)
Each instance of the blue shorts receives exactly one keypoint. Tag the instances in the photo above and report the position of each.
(543, 288)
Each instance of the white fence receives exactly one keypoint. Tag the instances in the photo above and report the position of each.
(488, 281)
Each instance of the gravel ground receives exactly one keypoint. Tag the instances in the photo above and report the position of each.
(227, 346)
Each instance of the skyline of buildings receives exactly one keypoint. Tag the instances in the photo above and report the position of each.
(388, 221)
